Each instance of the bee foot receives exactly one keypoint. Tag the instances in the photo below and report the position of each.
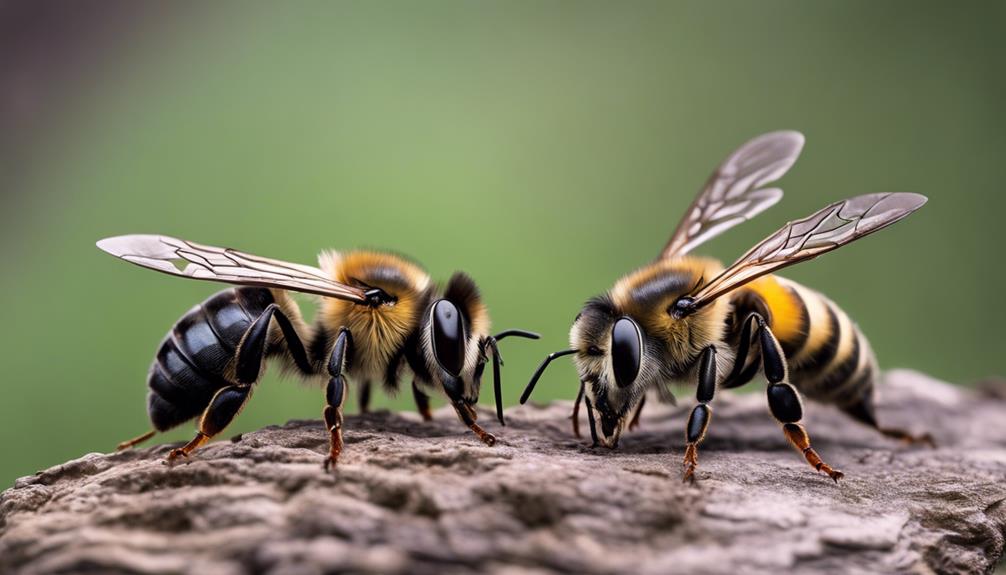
(691, 463)
(331, 463)
(688, 476)
(175, 455)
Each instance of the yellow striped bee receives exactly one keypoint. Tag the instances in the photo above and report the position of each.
(687, 319)
(380, 315)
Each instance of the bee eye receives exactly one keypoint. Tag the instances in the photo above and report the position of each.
(448, 337)
(594, 350)
(626, 351)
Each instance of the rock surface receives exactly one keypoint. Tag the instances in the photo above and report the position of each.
(429, 498)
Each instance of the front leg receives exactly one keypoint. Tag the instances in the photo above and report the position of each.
(335, 395)
(639, 413)
(698, 421)
(575, 416)
(455, 393)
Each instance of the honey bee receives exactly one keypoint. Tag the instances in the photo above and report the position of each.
(687, 319)
(379, 315)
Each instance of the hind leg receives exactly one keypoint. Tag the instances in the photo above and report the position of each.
(136, 440)
(864, 412)
(229, 400)
(223, 408)
(784, 401)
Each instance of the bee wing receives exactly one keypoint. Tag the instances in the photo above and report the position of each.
(187, 259)
(733, 193)
(826, 230)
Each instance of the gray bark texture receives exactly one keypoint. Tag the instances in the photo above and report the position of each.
(415, 497)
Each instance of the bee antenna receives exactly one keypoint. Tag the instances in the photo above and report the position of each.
(541, 369)
(517, 333)
(498, 361)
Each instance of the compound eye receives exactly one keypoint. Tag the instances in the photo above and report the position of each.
(448, 337)
(626, 351)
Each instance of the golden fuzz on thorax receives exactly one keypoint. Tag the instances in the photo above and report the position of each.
(705, 326)
(379, 331)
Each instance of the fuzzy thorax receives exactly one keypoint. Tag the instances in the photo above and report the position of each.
(647, 293)
(377, 331)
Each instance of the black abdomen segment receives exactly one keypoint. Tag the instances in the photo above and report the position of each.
(193, 361)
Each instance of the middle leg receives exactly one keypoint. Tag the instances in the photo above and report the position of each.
(364, 399)
(422, 401)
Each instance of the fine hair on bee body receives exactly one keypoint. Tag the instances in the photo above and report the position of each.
(684, 319)
(380, 317)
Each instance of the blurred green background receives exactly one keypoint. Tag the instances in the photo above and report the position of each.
(546, 148)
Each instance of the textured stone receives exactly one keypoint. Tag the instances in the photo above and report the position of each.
(430, 498)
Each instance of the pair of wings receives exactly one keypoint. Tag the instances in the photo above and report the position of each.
(734, 194)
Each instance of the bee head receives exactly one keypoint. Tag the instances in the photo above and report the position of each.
(457, 345)
(455, 326)
(611, 360)
(609, 349)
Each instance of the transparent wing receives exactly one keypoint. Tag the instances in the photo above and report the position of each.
(187, 259)
(733, 193)
(825, 230)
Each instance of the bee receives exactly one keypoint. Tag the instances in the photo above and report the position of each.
(686, 319)
(379, 315)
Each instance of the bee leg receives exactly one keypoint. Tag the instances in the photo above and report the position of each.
(590, 420)
(228, 401)
(223, 408)
(741, 375)
(335, 395)
(136, 440)
(364, 399)
(454, 389)
(784, 402)
(864, 412)
(635, 418)
(575, 416)
(698, 420)
(422, 402)
(908, 437)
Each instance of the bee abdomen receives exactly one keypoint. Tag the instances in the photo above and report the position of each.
(196, 359)
(833, 363)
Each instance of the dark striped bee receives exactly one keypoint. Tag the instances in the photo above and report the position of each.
(687, 319)
(379, 315)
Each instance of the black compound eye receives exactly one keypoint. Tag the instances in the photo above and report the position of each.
(448, 337)
(626, 351)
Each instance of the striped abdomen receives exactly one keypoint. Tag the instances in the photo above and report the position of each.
(829, 358)
(196, 358)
